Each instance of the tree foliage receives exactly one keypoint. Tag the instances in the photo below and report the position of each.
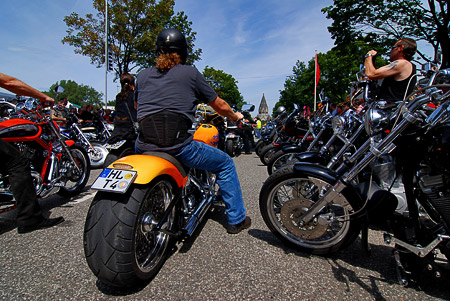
(77, 94)
(133, 28)
(225, 86)
(386, 21)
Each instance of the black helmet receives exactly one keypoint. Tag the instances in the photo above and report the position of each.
(171, 40)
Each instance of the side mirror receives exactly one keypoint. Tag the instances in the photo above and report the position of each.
(59, 89)
(248, 107)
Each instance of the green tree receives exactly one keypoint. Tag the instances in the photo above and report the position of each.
(133, 28)
(225, 86)
(77, 94)
(386, 21)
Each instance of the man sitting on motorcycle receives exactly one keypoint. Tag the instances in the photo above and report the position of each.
(29, 213)
(167, 96)
(399, 79)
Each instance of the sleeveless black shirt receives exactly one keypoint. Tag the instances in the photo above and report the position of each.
(392, 90)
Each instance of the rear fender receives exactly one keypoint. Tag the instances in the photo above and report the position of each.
(150, 167)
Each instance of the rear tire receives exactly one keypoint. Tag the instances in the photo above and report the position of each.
(229, 149)
(284, 197)
(120, 246)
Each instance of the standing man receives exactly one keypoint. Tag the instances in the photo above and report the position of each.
(399, 76)
(167, 96)
(29, 214)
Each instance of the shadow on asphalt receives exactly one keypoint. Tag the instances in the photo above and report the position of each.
(380, 261)
(8, 219)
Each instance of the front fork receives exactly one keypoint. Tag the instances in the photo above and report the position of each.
(63, 144)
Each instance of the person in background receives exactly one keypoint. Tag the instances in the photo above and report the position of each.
(87, 116)
(59, 112)
(125, 111)
(13, 163)
(107, 116)
(258, 127)
(399, 76)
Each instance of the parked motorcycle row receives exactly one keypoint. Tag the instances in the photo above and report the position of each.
(331, 178)
(385, 167)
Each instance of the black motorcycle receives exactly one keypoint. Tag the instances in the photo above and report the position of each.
(322, 211)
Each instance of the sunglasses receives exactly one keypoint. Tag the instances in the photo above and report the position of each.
(395, 47)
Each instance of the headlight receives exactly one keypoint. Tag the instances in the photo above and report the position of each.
(338, 124)
(375, 121)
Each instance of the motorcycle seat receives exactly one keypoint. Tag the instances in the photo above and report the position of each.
(181, 168)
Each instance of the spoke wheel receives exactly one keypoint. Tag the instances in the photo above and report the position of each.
(150, 246)
(287, 195)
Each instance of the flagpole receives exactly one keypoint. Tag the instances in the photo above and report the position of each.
(315, 81)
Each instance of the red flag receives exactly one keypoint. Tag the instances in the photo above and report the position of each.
(317, 72)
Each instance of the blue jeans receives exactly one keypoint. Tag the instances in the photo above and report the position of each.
(202, 156)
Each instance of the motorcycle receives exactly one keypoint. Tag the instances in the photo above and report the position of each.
(100, 131)
(234, 140)
(234, 143)
(57, 165)
(322, 211)
(97, 152)
(269, 132)
(144, 203)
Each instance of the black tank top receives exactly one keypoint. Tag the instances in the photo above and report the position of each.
(392, 90)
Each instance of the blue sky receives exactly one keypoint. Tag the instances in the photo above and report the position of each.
(257, 42)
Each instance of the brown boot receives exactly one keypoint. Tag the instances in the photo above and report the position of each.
(235, 229)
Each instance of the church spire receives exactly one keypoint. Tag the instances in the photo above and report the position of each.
(263, 112)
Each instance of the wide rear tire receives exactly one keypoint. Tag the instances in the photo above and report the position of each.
(120, 246)
(285, 196)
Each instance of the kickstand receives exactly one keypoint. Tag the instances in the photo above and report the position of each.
(402, 273)
(365, 239)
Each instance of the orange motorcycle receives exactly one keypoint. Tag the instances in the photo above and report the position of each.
(144, 203)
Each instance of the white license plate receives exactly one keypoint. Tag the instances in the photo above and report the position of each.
(114, 180)
(116, 145)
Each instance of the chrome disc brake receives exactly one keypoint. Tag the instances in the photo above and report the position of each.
(290, 215)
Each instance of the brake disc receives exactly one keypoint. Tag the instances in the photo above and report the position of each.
(290, 215)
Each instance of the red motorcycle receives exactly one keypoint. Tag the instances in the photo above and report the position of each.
(57, 165)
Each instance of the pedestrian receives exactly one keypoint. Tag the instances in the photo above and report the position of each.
(13, 163)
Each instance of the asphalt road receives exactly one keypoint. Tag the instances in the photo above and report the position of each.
(213, 265)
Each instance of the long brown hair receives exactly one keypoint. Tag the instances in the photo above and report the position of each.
(165, 61)
(127, 83)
